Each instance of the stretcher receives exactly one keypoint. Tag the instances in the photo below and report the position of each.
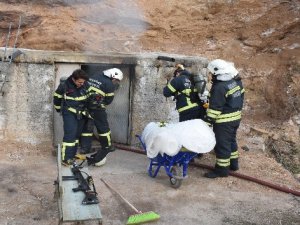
(176, 166)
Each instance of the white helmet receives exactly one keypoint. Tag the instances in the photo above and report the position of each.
(222, 67)
(114, 73)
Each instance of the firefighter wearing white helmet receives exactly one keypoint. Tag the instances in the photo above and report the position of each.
(222, 69)
(101, 94)
(224, 114)
(114, 73)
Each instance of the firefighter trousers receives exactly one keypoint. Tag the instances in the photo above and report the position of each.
(72, 130)
(226, 144)
(102, 126)
(193, 113)
(86, 136)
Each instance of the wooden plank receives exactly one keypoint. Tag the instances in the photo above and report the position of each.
(72, 208)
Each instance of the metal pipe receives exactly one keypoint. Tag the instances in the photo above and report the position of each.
(234, 174)
(166, 58)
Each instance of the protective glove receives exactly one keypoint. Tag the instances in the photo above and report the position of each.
(57, 110)
(208, 121)
(204, 96)
(206, 105)
(209, 124)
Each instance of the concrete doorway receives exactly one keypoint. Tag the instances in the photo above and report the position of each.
(118, 111)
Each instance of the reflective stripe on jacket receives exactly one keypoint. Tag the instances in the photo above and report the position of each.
(183, 91)
(101, 91)
(226, 101)
(68, 95)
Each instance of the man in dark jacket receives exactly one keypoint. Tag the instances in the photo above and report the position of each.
(188, 103)
(70, 99)
(224, 114)
(101, 94)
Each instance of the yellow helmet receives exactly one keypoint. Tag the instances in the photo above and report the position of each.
(179, 66)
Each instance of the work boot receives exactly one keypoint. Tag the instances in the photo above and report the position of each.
(234, 164)
(111, 148)
(100, 155)
(80, 156)
(101, 163)
(84, 151)
(68, 162)
(217, 172)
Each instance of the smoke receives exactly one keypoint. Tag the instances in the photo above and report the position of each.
(118, 23)
(120, 13)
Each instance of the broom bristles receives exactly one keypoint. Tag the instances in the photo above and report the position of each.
(142, 218)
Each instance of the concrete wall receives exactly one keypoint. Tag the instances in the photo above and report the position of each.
(27, 85)
(26, 112)
(151, 74)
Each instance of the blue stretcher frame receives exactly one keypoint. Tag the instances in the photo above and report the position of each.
(181, 159)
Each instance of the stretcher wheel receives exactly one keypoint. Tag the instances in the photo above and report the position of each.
(176, 180)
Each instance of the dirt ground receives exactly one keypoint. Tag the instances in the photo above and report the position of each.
(27, 191)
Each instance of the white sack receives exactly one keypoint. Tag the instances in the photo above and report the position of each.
(159, 140)
(194, 135)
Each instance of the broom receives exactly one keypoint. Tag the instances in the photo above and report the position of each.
(139, 217)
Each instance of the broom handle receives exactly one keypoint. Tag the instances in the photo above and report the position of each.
(135, 209)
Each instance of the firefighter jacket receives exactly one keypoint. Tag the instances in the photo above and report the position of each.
(225, 101)
(183, 91)
(69, 96)
(101, 91)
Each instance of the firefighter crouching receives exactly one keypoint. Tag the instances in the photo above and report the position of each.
(70, 100)
(224, 114)
(101, 93)
(188, 103)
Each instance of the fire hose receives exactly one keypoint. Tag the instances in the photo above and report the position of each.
(234, 174)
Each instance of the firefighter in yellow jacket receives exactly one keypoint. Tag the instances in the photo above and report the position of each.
(70, 99)
(101, 94)
(224, 114)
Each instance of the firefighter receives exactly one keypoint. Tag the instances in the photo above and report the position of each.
(70, 100)
(224, 114)
(181, 87)
(101, 94)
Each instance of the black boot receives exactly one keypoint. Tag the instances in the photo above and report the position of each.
(217, 172)
(234, 164)
(99, 155)
(84, 150)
